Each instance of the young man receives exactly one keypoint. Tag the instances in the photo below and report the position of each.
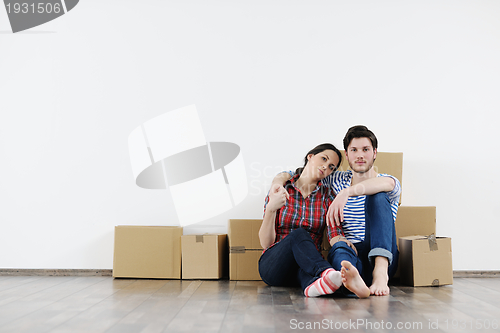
(365, 205)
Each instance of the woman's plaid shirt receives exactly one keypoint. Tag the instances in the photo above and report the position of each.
(307, 213)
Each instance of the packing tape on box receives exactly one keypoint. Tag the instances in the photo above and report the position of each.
(432, 242)
(237, 249)
(205, 178)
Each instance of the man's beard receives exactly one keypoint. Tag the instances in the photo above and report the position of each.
(365, 168)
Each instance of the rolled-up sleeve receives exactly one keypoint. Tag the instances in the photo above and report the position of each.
(395, 194)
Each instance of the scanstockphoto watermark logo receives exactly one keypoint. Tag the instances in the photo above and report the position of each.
(205, 178)
(373, 325)
(26, 14)
(261, 176)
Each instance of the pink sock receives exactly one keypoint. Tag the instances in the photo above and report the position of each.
(328, 283)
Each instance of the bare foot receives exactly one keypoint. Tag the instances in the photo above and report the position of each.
(380, 282)
(353, 281)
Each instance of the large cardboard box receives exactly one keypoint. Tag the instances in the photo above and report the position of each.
(204, 256)
(425, 260)
(147, 252)
(244, 249)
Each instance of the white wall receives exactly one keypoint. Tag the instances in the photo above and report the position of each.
(275, 77)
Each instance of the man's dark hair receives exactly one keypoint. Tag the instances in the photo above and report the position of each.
(359, 131)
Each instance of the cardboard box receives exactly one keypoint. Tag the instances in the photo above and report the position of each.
(244, 233)
(244, 249)
(204, 256)
(147, 252)
(412, 221)
(425, 261)
(244, 265)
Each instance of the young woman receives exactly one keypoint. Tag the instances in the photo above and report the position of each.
(292, 230)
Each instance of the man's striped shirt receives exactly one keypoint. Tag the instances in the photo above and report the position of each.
(354, 210)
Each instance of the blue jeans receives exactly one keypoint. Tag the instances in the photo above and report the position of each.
(380, 240)
(293, 261)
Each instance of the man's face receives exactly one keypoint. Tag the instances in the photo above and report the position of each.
(361, 155)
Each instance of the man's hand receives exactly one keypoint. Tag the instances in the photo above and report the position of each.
(335, 214)
(281, 178)
(277, 197)
(345, 240)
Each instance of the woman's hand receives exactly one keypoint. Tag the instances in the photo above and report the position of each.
(335, 214)
(345, 240)
(277, 197)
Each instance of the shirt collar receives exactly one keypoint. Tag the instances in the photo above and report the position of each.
(295, 177)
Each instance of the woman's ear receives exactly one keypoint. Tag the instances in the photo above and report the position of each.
(309, 156)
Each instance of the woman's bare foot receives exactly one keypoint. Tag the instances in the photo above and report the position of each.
(353, 281)
(380, 282)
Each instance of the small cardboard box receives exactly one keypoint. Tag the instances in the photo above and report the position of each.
(425, 260)
(152, 252)
(244, 249)
(204, 256)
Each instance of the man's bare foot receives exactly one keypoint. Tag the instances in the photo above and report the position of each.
(380, 282)
(353, 281)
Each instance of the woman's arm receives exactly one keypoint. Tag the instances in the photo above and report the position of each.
(267, 234)
(277, 199)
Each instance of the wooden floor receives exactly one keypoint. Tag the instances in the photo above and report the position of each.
(104, 304)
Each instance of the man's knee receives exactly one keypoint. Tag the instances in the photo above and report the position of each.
(377, 198)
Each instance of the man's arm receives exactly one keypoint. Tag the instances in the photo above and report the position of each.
(372, 186)
(367, 187)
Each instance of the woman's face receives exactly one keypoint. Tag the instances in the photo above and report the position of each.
(322, 164)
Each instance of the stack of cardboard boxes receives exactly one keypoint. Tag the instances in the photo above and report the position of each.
(244, 249)
(162, 252)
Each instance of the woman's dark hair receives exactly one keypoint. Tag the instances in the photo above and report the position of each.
(359, 131)
(318, 149)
